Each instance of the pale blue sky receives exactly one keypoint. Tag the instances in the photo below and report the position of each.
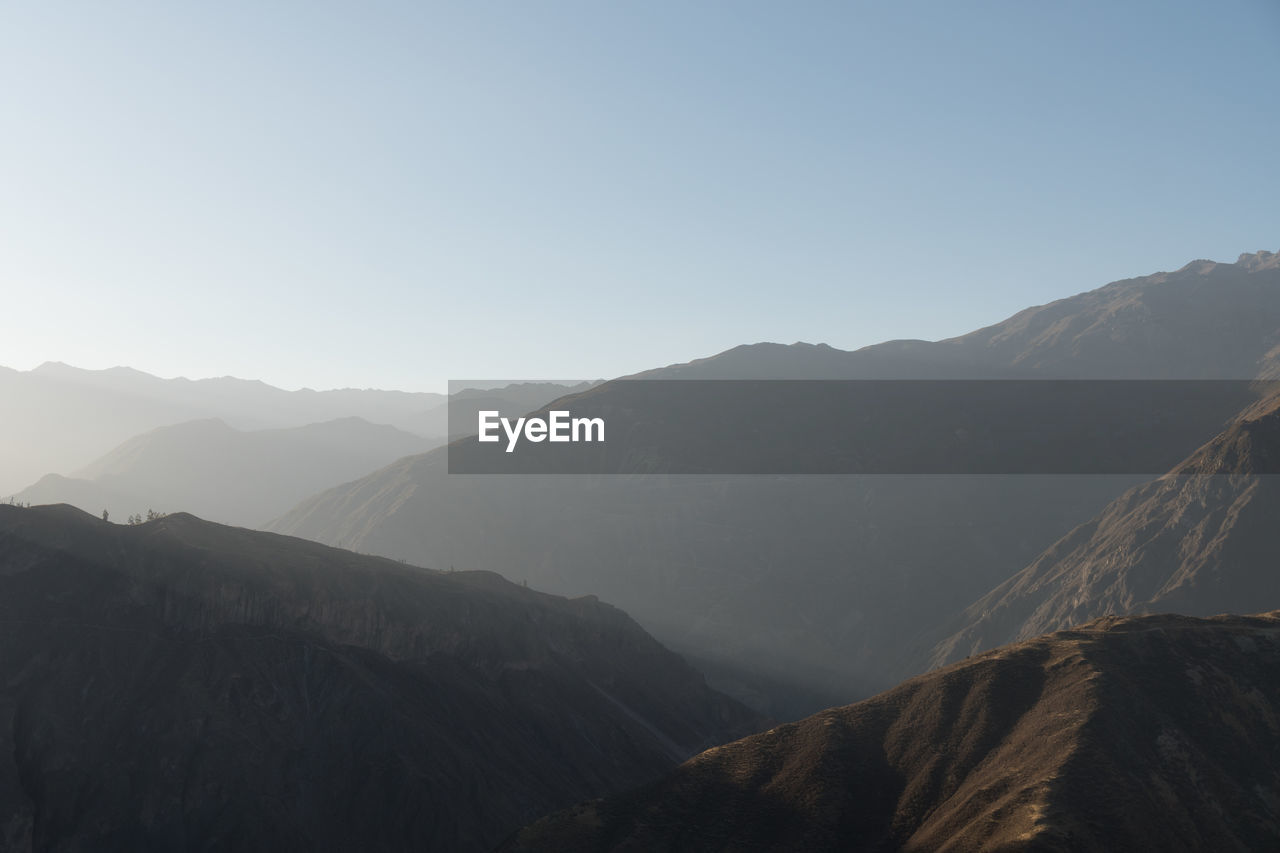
(390, 194)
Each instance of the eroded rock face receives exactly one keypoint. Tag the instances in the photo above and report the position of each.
(1201, 540)
(182, 685)
(1150, 733)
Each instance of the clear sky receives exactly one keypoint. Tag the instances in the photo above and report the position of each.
(389, 194)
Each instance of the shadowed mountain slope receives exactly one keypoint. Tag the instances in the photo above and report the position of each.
(1155, 733)
(800, 592)
(179, 683)
(1203, 539)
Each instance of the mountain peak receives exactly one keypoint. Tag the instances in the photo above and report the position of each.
(1200, 266)
(1259, 261)
(54, 368)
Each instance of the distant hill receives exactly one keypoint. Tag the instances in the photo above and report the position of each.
(1155, 733)
(182, 680)
(86, 495)
(247, 403)
(225, 475)
(60, 418)
(1201, 540)
(826, 583)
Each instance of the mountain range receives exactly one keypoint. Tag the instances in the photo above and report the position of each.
(798, 592)
(180, 683)
(63, 418)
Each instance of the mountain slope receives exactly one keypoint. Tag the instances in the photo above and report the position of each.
(823, 582)
(1201, 540)
(1154, 733)
(179, 682)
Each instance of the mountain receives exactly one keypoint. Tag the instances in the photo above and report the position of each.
(823, 583)
(179, 683)
(65, 417)
(247, 403)
(220, 473)
(61, 418)
(799, 592)
(1153, 733)
(84, 495)
(52, 425)
(1200, 540)
(1206, 320)
(512, 400)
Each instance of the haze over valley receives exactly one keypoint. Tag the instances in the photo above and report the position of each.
(781, 595)
(612, 428)
(209, 466)
(798, 590)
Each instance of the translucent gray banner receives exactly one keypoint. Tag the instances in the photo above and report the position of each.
(629, 427)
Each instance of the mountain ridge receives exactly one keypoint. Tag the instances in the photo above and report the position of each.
(180, 679)
(1152, 732)
(1046, 340)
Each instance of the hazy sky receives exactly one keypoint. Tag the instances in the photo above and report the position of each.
(390, 194)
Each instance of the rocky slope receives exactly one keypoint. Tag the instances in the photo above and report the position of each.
(1201, 540)
(180, 685)
(1153, 733)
